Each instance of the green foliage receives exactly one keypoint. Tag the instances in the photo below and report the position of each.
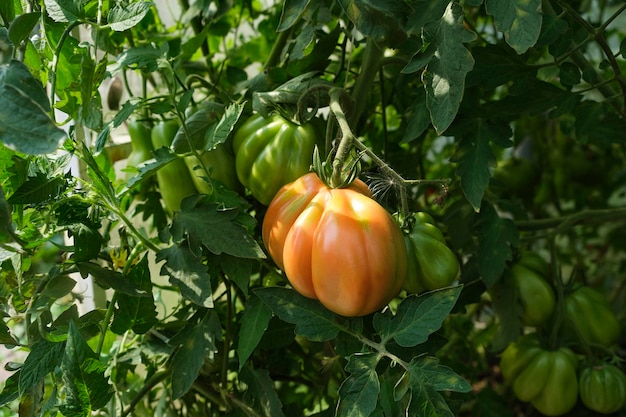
(502, 119)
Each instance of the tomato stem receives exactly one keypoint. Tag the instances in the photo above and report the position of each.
(347, 137)
(565, 223)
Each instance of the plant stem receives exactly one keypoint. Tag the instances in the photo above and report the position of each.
(372, 56)
(397, 179)
(561, 224)
(347, 137)
(560, 295)
(105, 323)
(277, 49)
(150, 383)
(55, 64)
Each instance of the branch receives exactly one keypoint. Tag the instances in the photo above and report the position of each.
(562, 224)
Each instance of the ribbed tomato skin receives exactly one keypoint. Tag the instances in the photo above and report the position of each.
(336, 245)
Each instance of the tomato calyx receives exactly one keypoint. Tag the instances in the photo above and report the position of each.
(324, 170)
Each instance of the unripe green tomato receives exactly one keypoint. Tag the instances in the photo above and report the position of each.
(603, 388)
(430, 262)
(517, 355)
(272, 152)
(589, 311)
(141, 144)
(174, 180)
(560, 391)
(535, 295)
(545, 378)
(535, 263)
(221, 165)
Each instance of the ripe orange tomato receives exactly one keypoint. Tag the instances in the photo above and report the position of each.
(336, 245)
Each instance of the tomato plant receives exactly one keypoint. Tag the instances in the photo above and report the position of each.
(153, 290)
(271, 152)
(315, 234)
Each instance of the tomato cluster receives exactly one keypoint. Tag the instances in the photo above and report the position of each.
(551, 379)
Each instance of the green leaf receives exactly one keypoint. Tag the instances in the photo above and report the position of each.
(418, 119)
(217, 230)
(123, 18)
(65, 10)
(598, 123)
(426, 377)
(261, 387)
(197, 345)
(87, 242)
(38, 189)
(292, 10)
(508, 310)
(7, 11)
(497, 65)
(22, 26)
(85, 387)
(25, 124)
(494, 247)
(188, 273)
(145, 58)
(107, 278)
(162, 157)
(5, 333)
(127, 109)
(569, 74)
(426, 12)
(57, 287)
(7, 232)
(475, 157)
(358, 393)
(417, 317)
(91, 76)
(10, 392)
(43, 359)
(444, 77)
(238, 270)
(254, 321)
(224, 126)
(519, 20)
(382, 21)
(136, 313)
(528, 96)
(552, 27)
(426, 369)
(312, 320)
(197, 126)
